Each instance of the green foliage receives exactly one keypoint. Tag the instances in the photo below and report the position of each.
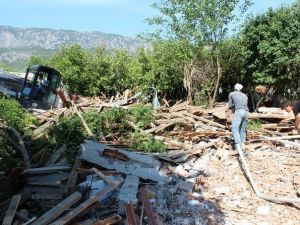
(197, 21)
(107, 123)
(5, 67)
(146, 143)
(37, 60)
(271, 41)
(197, 24)
(167, 63)
(97, 73)
(232, 59)
(255, 124)
(71, 62)
(91, 72)
(14, 115)
(8, 159)
(141, 115)
(68, 130)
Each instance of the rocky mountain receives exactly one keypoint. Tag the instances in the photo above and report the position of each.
(12, 37)
(18, 44)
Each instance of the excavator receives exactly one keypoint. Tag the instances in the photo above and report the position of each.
(40, 89)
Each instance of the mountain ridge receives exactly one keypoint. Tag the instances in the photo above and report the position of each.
(12, 37)
(17, 44)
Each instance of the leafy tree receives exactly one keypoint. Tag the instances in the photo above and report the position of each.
(4, 67)
(167, 68)
(71, 62)
(37, 60)
(97, 73)
(271, 42)
(13, 114)
(120, 78)
(232, 59)
(198, 24)
(141, 70)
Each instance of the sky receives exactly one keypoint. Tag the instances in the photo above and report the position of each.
(125, 17)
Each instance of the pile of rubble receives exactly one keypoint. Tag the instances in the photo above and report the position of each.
(199, 180)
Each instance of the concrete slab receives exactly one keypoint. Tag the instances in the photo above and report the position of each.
(141, 165)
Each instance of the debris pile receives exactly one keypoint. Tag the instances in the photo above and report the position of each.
(200, 179)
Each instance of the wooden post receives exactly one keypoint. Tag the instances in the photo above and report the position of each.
(10, 213)
(56, 211)
(67, 219)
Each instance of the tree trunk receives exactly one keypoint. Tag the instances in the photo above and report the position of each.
(219, 74)
(187, 81)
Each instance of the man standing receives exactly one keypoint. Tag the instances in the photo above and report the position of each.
(238, 102)
(288, 107)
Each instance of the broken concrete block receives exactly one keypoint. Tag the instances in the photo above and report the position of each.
(181, 171)
(128, 192)
(141, 165)
(185, 186)
(199, 166)
(95, 184)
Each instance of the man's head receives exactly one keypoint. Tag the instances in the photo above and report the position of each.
(287, 106)
(238, 87)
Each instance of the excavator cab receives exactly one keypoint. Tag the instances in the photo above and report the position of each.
(40, 88)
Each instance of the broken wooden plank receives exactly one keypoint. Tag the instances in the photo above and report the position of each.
(56, 211)
(109, 221)
(266, 116)
(10, 213)
(66, 219)
(21, 216)
(72, 179)
(159, 128)
(100, 174)
(152, 217)
(55, 157)
(25, 195)
(42, 129)
(86, 127)
(131, 219)
(205, 120)
(46, 170)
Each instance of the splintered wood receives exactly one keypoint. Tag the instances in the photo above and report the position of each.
(200, 179)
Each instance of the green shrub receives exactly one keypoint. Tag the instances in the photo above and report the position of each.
(69, 130)
(141, 115)
(146, 143)
(7, 156)
(109, 122)
(255, 124)
(14, 115)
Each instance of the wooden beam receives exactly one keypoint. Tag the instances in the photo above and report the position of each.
(152, 217)
(131, 219)
(109, 221)
(46, 170)
(72, 179)
(55, 157)
(56, 211)
(42, 129)
(205, 120)
(10, 213)
(100, 174)
(67, 219)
